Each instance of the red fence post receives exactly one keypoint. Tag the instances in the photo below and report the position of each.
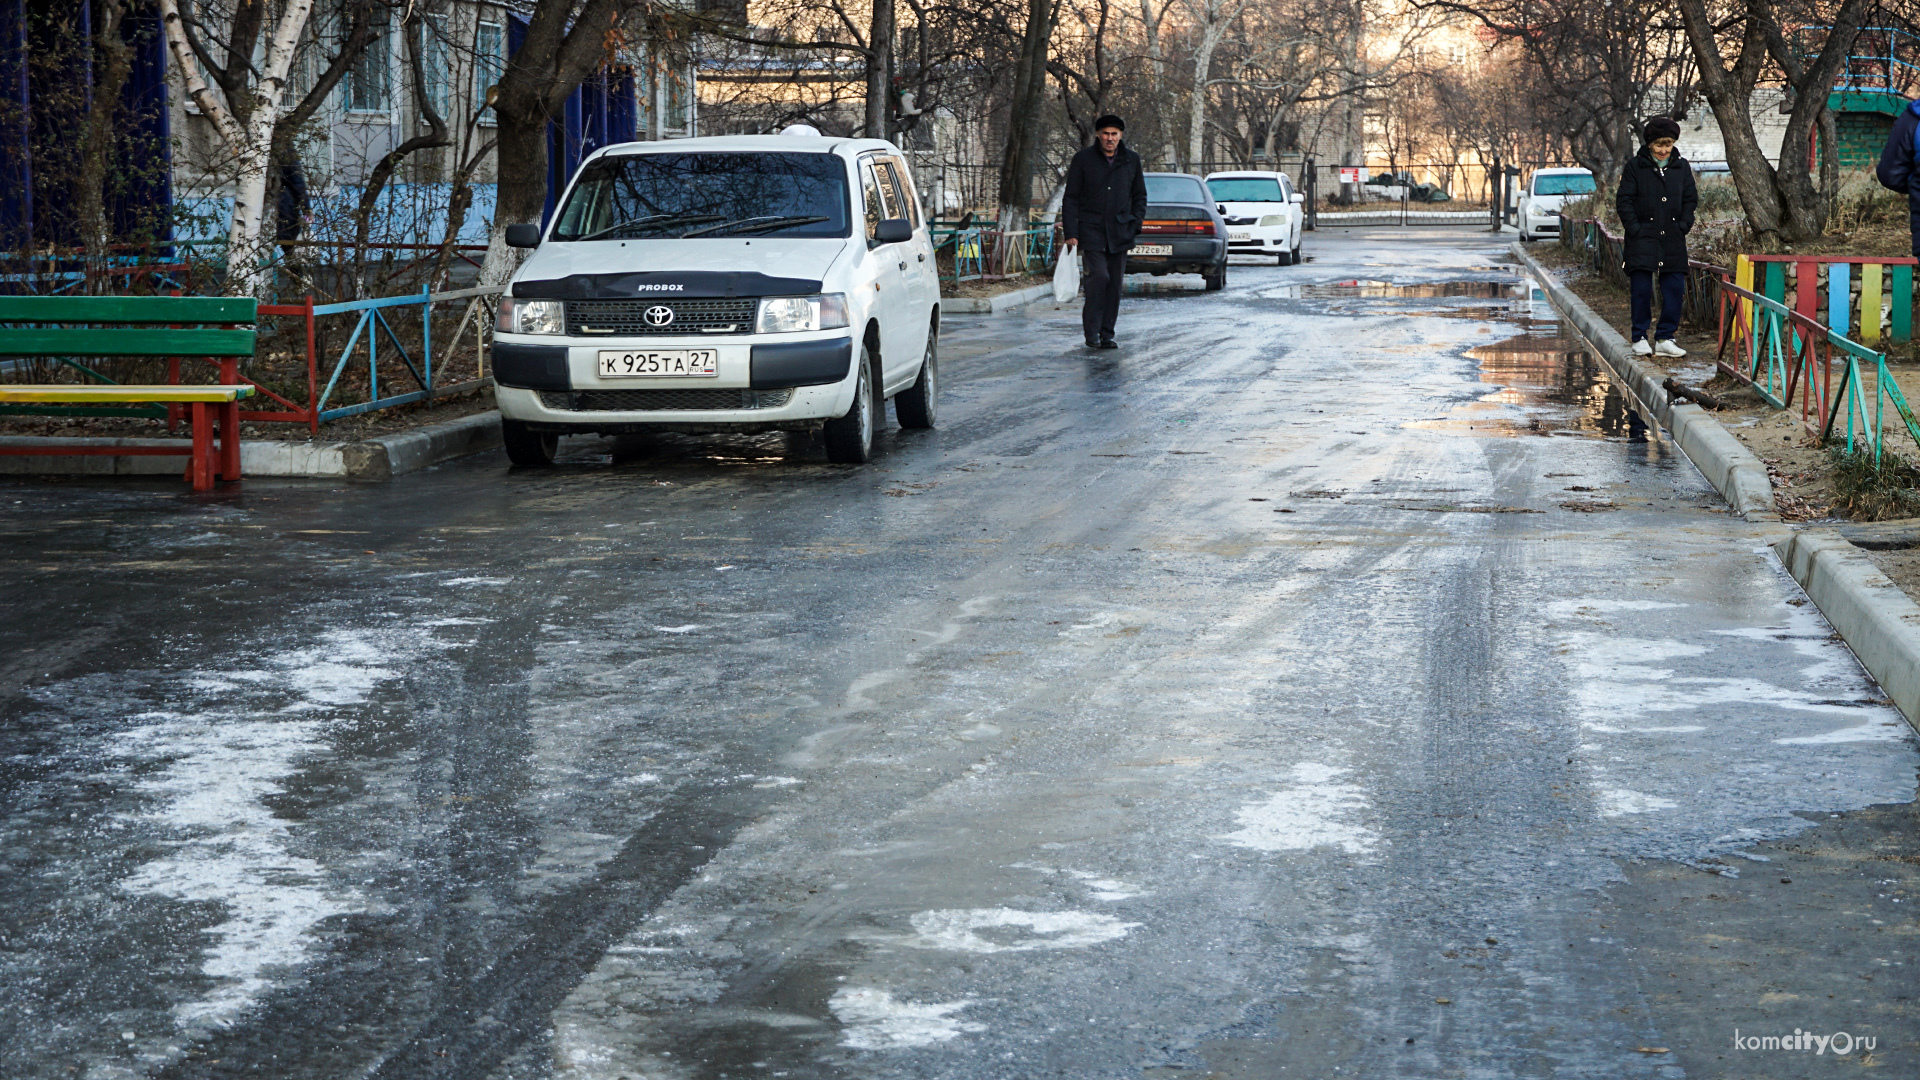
(313, 389)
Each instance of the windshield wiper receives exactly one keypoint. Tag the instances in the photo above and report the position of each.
(657, 221)
(756, 224)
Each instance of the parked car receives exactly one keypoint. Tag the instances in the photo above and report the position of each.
(739, 283)
(1265, 216)
(1547, 191)
(1183, 232)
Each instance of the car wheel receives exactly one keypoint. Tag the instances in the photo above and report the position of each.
(1283, 258)
(534, 449)
(917, 405)
(850, 437)
(1216, 280)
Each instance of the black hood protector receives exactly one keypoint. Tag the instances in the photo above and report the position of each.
(664, 284)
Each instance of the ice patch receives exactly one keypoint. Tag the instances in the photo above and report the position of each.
(876, 1020)
(959, 929)
(1617, 801)
(776, 781)
(1871, 731)
(1316, 812)
(1563, 609)
(1106, 888)
(687, 629)
(473, 581)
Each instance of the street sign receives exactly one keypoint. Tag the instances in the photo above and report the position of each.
(1353, 175)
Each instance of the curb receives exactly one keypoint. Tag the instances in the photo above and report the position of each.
(374, 459)
(995, 305)
(1878, 620)
(1730, 467)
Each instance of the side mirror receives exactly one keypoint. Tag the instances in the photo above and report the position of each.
(1298, 199)
(523, 236)
(893, 231)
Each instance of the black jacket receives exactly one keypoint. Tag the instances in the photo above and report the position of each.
(1104, 202)
(1657, 212)
(1896, 169)
(292, 207)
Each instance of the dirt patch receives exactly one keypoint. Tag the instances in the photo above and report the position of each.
(1902, 566)
(347, 429)
(983, 290)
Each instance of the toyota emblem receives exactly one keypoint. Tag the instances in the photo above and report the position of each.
(659, 315)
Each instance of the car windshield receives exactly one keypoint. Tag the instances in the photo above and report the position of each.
(669, 196)
(1176, 189)
(1246, 189)
(1563, 184)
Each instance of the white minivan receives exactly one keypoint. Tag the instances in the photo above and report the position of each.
(737, 283)
(1265, 216)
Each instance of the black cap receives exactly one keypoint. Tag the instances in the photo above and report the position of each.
(1660, 127)
(1109, 121)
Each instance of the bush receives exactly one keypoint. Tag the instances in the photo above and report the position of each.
(1874, 491)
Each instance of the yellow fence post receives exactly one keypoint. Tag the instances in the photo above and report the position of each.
(1870, 302)
(1743, 277)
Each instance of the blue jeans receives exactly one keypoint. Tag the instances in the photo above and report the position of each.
(1673, 292)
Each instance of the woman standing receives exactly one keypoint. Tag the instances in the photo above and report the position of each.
(1656, 200)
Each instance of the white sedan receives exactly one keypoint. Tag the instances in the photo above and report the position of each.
(1265, 216)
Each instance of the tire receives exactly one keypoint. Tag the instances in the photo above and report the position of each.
(917, 407)
(528, 448)
(850, 438)
(1284, 258)
(1216, 280)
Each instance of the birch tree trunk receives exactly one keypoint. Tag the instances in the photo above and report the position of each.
(1214, 18)
(249, 141)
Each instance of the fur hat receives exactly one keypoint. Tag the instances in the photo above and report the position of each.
(1660, 127)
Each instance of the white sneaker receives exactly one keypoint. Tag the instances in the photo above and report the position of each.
(1668, 347)
(1641, 348)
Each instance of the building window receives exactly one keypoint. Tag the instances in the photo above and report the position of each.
(489, 64)
(435, 61)
(370, 80)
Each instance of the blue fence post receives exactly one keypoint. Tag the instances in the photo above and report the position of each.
(426, 335)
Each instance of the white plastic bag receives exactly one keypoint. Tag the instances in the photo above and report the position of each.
(1066, 276)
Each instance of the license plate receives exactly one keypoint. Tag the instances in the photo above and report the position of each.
(1239, 237)
(659, 364)
(1153, 249)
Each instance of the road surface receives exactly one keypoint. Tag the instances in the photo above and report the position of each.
(1337, 679)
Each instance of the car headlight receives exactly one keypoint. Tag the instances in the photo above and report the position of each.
(1274, 219)
(791, 314)
(531, 316)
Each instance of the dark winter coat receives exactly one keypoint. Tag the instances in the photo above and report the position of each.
(1896, 169)
(1104, 201)
(292, 207)
(1657, 212)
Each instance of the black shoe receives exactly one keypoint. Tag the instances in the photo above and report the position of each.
(1107, 343)
(1092, 343)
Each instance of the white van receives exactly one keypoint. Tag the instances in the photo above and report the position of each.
(1265, 216)
(740, 283)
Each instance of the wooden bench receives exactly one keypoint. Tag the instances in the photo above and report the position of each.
(65, 328)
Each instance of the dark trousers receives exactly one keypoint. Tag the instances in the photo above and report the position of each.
(1673, 293)
(1104, 273)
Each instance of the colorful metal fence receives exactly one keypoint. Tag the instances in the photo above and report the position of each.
(1888, 279)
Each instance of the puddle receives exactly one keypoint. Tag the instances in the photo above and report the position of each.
(1547, 385)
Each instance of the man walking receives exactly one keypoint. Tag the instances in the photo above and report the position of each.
(1896, 167)
(1105, 200)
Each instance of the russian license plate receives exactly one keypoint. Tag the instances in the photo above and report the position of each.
(1153, 249)
(1239, 237)
(659, 363)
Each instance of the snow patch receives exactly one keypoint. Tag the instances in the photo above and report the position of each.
(1876, 730)
(876, 1020)
(1617, 801)
(1316, 812)
(469, 582)
(959, 929)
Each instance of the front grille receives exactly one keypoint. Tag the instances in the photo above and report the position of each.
(706, 398)
(588, 318)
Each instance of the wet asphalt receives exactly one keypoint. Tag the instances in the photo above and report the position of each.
(1339, 679)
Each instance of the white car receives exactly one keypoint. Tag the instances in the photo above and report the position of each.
(1265, 216)
(1547, 191)
(741, 283)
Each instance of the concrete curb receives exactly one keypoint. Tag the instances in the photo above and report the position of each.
(1728, 465)
(375, 459)
(995, 305)
(1879, 621)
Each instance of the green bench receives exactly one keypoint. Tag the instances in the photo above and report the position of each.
(68, 328)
